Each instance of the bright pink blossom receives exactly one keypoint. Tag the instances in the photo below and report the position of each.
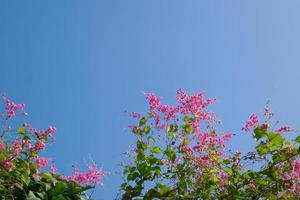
(93, 176)
(154, 101)
(252, 123)
(2, 146)
(251, 186)
(53, 169)
(296, 168)
(40, 145)
(11, 108)
(280, 194)
(8, 164)
(51, 130)
(283, 129)
(41, 162)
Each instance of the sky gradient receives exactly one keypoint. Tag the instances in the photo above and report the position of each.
(79, 64)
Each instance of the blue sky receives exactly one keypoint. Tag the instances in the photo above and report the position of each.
(80, 64)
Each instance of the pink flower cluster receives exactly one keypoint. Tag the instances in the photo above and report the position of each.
(204, 148)
(12, 108)
(292, 180)
(94, 176)
(2, 146)
(39, 145)
(283, 129)
(24, 145)
(252, 123)
(296, 169)
(39, 132)
(193, 105)
(17, 147)
(41, 162)
(7, 164)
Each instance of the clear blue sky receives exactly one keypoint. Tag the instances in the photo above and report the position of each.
(79, 64)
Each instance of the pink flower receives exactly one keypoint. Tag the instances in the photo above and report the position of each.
(265, 126)
(223, 177)
(62, 177)
(71, 178)
(93, 176)
(154, 101)
(2, 146)
(17, 147)
(40, 145)
(283, 129)
(227, 137)
(41, 162)
(280, 194)
(251, 186)
(296, 167)
(52, 169)
(8, 165)
(82, 178)
(198, 177)
(51, 130)
(252, 123)
(11, 108)
(136, 115)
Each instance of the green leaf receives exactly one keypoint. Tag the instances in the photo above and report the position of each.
(85, 188)
(147, 129)
(41, 195)
(21, 130)
(171, 154)
(132, 176)
(123, 186)
(59, 197)
(140, 156)
(297, 139)
(58, 189)
(47, 186)
(143, 121)
(173, 128)
(34, 153)
(260, 133)
(141, 145)
(33, 168)
(137, 130)
(214, 170)
(275, 141)
(229, 171)
(31, 196)
(46, 175)
(215, 179)
(187, 128)
(226, 162)
(187, 119)
(261, 149)
(151, 139)
(163, 189)
(25, 178)
(155, 150)
(171, 134)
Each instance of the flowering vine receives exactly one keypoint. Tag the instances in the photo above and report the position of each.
(180, 154)
(23, 173)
